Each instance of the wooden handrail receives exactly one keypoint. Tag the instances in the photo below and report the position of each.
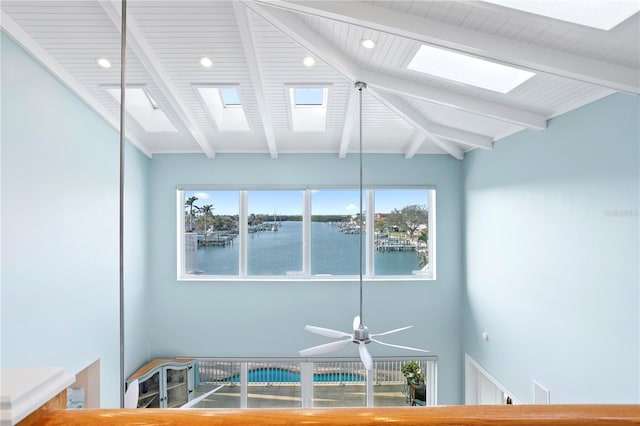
(500, 415)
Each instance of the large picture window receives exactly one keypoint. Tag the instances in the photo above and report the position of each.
(262, 234)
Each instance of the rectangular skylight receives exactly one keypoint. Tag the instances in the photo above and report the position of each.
(603, 15)
(224, 106)
(308, 108)
(308, 96)
(467, 69)
(144, 109)
(230, 97)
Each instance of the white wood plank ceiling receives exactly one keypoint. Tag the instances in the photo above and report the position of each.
(259, 46)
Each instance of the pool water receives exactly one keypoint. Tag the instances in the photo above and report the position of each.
(275, 375)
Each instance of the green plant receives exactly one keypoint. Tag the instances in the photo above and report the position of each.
(413, 372)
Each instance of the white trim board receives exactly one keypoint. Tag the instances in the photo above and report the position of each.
(471, 370)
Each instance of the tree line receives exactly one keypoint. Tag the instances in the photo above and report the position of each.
(407, 220)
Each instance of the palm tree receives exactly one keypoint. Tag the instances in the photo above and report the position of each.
(207, 210)
(189, 203)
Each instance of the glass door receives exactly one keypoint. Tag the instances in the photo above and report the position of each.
(149, 393)
(177, 386)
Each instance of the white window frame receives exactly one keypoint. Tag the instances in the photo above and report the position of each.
(305, 274)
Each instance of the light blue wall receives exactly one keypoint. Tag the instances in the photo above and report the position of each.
(60, 230)
(267, 318)
(136, 261)
(552, 256)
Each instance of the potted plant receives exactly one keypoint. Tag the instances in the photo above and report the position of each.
(415, 379)
(413, 372)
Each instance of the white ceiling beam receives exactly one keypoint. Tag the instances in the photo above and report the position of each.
(248, 44)
(488, 46)
(414, 118)
(463, 137)
(449, 99)
(137, 42)
(414, 146)
(473, 140)
(298, 32)
(35, 50)
(348, 124)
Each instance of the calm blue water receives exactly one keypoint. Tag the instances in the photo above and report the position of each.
(277, 375)
(276, 253)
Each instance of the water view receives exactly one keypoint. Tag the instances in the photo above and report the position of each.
(274, 240)
(278, 253)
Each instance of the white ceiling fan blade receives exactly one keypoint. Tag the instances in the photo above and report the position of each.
(327, 332)
(325, 348)
(365, 356)
(398, 346)
(356, 322)
(391, 331)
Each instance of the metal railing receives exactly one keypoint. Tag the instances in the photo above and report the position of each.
(325, 371)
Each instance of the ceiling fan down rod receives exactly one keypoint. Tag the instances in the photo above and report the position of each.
(360, 85)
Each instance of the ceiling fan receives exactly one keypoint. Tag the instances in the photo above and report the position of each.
(360, 335)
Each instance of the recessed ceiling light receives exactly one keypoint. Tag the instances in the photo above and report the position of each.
(468, 69)
(368, 43)
(103, 62)
(206, 62)
(308, 61)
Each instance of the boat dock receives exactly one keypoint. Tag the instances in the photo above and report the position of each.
(403, 245)
(385, 242)
(215, 240)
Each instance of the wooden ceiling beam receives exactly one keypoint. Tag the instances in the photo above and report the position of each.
(248, 44)
(349, 119)
(413, 117)
(297, 31)
(414, 146)
(144, 53)
(460, 136)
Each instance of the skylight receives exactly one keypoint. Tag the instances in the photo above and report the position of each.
(308, 108)
(467, 69)
(304, 96)
(230, 97)
(144, 109)
(224, 106)
(603, 15)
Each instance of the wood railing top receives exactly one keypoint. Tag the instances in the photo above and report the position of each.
(155, 363)
(501, 415)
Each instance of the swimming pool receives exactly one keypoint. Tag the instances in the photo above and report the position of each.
(281, 375)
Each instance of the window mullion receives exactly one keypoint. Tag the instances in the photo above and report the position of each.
(243, 233)
(431, 229)
(369, 227)
(181, 234)
(306, 233)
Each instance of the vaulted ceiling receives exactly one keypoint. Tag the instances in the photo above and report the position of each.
(258, 47)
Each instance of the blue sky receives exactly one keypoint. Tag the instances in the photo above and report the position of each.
(339, 202)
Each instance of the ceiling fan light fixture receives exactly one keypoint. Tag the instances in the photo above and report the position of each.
(206, 62)
(309, 61)
(367, 43)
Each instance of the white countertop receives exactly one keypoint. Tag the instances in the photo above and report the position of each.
(24, 390)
